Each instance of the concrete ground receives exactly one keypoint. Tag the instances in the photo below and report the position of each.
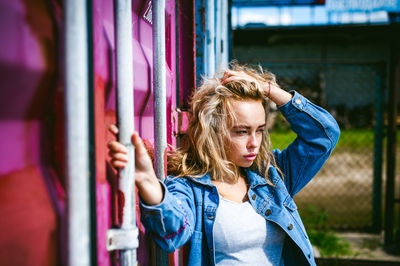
(368, 247)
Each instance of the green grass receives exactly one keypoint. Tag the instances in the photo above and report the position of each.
(327, 242)
(357, 139)
(353, 139)
(281, 140)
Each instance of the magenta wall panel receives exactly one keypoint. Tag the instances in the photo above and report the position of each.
(104, 64)
(29, 209)
(32, 121)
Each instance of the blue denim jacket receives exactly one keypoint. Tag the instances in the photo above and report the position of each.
(187, 212)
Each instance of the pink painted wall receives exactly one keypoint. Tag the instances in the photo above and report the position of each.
(29, 231)
(104, 51)
(32, 123)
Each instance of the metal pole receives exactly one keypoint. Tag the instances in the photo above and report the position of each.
(218, 35)
(124, 82)
(391, 144)
(229, 41)
(221, 39)
(160, 101)
(77, 132)
(159, 77)
(224, 34)
(210, 35)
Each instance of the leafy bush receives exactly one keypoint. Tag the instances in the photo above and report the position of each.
(327, 242)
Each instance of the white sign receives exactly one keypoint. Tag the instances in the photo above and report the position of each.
(148, 14)
(363, 5)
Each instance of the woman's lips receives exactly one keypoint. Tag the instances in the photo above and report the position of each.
(250, 157)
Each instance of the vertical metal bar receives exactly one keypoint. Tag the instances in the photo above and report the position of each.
(160, 116)
(92, 138)
(210, 35)
(124, 82)
(378, 152)
(221, 36)
(224, 34)
(391, 144)
(229, 42)
(218, 35)
(159, 77)
(77, 132)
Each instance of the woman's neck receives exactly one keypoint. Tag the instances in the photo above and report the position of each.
(236, 192)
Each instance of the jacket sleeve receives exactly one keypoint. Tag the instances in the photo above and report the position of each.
(171, 222)
(317, 134)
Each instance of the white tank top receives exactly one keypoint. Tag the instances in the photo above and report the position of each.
(243, 237)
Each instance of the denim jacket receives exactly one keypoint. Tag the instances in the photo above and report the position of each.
(187, 212)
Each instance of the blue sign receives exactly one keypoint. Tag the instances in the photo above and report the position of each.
(237, 3)
(363, 5)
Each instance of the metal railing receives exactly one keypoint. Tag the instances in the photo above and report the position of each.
(125, 238)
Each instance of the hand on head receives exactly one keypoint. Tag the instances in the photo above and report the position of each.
(231, 75)
(267, 82)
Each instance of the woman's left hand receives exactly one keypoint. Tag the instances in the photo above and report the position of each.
(271, 89)
(231, 75)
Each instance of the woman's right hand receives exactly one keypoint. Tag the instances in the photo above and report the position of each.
(145, 178)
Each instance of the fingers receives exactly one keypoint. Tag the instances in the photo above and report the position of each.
(118, 164)
(113, 129)
(116, 147)
(118, 154)
(230, 75)
(230, 79)
(138, 143)
(118, 160)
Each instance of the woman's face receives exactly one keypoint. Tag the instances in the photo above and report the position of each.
(247, 133)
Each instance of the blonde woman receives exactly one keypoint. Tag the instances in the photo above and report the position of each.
(229, 196)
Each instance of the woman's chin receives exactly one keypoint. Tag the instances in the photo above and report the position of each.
(245, 164)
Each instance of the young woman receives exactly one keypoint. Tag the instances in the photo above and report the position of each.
(229, 196)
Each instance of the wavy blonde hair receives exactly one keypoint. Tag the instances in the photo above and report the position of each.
(211, 118)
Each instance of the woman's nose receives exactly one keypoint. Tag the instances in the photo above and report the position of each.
(252, 141)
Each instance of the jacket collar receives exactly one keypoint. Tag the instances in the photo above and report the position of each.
(253, 178)
(204, 180)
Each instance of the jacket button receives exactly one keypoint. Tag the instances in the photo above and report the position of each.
(298, 101)
(254, 196)
(290, 227)
(268, 212)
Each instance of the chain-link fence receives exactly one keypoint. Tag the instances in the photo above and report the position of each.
(343, 189)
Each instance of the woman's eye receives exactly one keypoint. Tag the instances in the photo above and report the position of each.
(261, 130)
(241, 132)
